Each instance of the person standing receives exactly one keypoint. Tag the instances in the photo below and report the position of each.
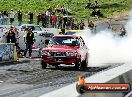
(123, 31)
(44, 20)
(1, 18)
(12, 15)
(11, 36)
(5, 17)
(68, 23)
(72, 24)
(62, 9)
(95, 4)
(30, 17)
(92, 27)
(48, 15)
(88, 4)
(54, 20)
(64, 22)
(29, 40)
(39, 18)
(81, 25)
(60, 20)
(19, 15)
(50, 21)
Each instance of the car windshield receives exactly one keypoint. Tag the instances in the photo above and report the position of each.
(70, 33)
(31, 27)
(68, 41)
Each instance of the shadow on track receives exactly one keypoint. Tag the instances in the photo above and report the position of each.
(88, 69)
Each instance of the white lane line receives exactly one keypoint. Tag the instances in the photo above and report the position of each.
(129, 94)
(106, 76)
(1, 81)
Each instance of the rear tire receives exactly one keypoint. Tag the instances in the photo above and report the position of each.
(43, 64)
(84, 63)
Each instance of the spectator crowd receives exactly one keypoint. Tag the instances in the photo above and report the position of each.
(58, 18)
(95, 8)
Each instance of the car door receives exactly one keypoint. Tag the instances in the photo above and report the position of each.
(85, 48)
(82, 49)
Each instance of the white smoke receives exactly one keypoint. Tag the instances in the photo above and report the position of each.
(104, 47)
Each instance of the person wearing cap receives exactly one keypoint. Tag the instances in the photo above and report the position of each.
(29, 40)
(11, 35)
(12, 15)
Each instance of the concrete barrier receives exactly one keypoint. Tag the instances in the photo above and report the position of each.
(7, 52)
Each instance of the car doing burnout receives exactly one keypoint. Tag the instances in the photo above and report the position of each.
(65, 49)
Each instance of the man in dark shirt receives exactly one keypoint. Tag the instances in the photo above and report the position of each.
(65, 22)
(60, 20)
(30, 17)
(11, 36)
(39, 18)
(19, 15)
(29, 40)
(44, 20)
(81, 25)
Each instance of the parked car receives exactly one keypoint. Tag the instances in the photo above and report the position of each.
(31, 26)
(65, 49)
(42, 36)
(38, 30)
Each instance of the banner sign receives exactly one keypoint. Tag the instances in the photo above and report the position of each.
(7, 52)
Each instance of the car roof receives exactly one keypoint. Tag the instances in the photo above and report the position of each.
(70, 36)
(29, 25)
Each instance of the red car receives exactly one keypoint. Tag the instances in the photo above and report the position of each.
(65, 49)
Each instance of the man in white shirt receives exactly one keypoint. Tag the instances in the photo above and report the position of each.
(12, 16)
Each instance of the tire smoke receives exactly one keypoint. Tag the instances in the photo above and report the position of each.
(106, 48)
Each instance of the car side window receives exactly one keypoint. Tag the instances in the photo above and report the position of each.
(31, 27)
(23, 27)
(37, 28)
